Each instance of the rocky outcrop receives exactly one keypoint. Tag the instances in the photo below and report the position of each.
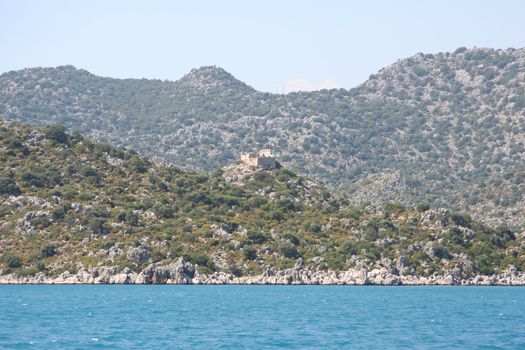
(179, 273)
(183, 272)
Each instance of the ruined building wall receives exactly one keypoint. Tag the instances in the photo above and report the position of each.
(263, 159)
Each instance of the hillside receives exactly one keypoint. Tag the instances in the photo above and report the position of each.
(445, 129)
(72, 210)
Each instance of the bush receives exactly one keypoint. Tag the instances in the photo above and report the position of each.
(56, 133)
(277, 215)
(164, 211)
(288, 250)
(135, 163)
(235, 270)
(348, 248)
(40, 266)
(40, 222)
(31, 179)
(440, 252)
(249, 253)
(261, 176)
(12, 261)
(8, 186)
(292, 238)
(40, 177)
(422, 207)
(157, 255)
(418, 257)
(58, 213)
(256, 237)
(48, 250)
(505, 233)
(97, 225)
(128, 217)
(455, 236)
(463, 220)
(200, 259)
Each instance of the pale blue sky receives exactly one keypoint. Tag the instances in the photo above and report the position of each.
(267, 44)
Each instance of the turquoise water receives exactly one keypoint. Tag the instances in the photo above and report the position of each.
(255, 317)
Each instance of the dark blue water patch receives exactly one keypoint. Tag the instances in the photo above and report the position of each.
(261, 317)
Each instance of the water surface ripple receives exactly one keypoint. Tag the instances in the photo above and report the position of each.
(261, 317)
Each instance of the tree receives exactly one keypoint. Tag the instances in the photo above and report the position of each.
(256, 237)
(288, 250)
(13, 261)
(48, 250)
(250, 253)
(56, 133)
(8, 186)
(128, 217)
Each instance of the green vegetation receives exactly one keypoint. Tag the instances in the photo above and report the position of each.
(8, 186)
(82, 204)
(56, 133)
(443, 129)
(12, 261)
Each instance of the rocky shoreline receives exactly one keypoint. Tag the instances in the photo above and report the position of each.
(185, 273)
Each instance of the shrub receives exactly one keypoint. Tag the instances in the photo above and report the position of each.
(348, 248)
(422, 207)
(292, 238)
(249, 253)
(40, 222)
(97, 225)
(157, 255)
(58, 213)
(463, 220)
(256, 237)
(440, 252)
(135, 163)
(31, 179)
(40, 177)
(164, 211)
(286, 205)
(235, 270)
(288, 250)
(88, 171)
(12, 261)
(200, 259)
(277, 215)
(40, 266)
(8, 186)
(48, 250)
(455, 236)
(128, 217)
(505, 233)
(56, 133)
(418, 257)
(15, 142)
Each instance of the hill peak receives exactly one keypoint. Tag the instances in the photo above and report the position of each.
(211, 77)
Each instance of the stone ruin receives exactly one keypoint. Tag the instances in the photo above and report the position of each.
(262, 159)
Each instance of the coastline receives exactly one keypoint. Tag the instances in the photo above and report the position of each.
(185, 274)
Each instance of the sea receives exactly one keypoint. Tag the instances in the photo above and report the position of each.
(260, 317)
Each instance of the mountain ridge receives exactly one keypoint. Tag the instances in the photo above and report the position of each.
(443, 128)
